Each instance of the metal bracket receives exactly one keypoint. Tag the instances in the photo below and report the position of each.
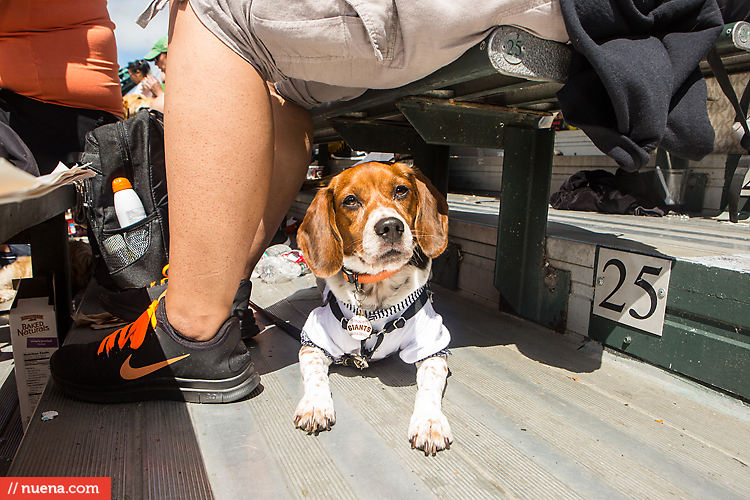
(741, 35)
(516, 52)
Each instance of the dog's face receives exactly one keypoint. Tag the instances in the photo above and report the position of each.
(371, 218)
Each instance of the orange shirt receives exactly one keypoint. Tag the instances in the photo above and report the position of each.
(61, 52)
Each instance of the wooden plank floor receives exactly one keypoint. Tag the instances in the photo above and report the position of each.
(534, 414)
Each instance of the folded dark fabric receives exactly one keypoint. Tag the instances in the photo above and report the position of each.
(602, 191)
(13, 149)
(734, 10)
(634, 82)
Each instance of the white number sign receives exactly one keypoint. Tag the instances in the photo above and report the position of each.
(631, 289)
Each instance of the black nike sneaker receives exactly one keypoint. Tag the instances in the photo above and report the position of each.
(129, 304)
(148, 359)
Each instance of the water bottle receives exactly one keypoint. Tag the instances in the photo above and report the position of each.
(280, 264)
(128, 206)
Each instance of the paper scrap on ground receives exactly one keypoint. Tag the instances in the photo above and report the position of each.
(49, 415)
(19, 185)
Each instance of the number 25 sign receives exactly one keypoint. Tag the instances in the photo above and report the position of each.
(631, 289)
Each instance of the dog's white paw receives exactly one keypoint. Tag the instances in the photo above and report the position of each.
(315, 413)
(429, 431)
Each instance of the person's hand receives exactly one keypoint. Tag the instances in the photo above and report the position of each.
(152, 84)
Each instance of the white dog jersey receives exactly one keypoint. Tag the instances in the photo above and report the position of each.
(423, 336)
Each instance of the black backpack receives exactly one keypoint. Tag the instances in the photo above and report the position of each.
(133, 256)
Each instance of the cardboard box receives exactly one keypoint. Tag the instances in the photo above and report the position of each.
(33, 332)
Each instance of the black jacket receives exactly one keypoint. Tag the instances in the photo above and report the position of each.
(634, 80)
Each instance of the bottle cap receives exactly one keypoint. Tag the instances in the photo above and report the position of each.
(120, 183)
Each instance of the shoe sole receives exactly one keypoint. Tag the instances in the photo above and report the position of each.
(172, 389)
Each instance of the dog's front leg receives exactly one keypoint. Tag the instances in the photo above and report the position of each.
(315, 410)
(429, 429)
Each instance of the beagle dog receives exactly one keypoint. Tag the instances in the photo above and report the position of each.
(371, 235)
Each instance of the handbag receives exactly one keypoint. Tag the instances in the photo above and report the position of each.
(132, 256)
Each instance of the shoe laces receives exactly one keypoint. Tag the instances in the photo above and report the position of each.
(135, 332)
(165, 273)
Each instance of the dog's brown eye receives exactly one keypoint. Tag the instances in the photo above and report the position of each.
(350, 201)
(400, 192)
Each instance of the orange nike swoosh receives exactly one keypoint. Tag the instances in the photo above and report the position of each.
(129, 373)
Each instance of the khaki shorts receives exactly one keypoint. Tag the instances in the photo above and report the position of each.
(326, 50)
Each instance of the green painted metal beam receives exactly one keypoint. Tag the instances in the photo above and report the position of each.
(452, 123)
(734, 36)
(508, 59)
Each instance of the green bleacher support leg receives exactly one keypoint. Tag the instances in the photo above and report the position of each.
(534, 289)
(432, 160)
(324, 158)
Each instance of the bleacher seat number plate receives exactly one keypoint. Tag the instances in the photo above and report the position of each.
(631, 288)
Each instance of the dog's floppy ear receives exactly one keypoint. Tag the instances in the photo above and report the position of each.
(319, 238)
(432, 217)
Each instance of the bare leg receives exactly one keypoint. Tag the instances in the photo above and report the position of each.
(293, 145)
(219, 168)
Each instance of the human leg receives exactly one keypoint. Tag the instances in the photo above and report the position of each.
(219, 158)
(292, 139)
(293, 144)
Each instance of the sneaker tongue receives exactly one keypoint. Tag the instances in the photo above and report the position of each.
(154, 292)
(242, 297)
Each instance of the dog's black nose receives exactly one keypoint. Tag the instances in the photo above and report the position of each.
(390, 229)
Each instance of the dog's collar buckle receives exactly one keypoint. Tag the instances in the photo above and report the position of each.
(351, 276)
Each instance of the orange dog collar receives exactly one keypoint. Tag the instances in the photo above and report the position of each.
(367, 279)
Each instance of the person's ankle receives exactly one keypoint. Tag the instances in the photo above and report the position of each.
(199, 327)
